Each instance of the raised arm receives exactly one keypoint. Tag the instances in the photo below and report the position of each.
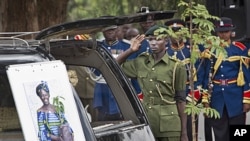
(135, 45)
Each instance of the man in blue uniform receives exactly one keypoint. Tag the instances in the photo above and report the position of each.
(104, 100)
(230, 94)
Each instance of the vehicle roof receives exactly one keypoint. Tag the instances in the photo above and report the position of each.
(14, 50)
(94, 25)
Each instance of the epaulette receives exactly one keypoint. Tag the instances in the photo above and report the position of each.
(173, 59)
(144, 54)
(239, 45)
(126, 41)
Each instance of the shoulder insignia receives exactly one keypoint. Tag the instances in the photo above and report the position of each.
(144, 54)
(179, 62)
(239, 45)
(173, 59)
(126, 41)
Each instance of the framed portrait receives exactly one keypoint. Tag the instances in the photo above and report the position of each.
(34, 87)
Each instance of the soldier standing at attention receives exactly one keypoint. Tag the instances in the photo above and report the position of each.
(163, 83)
(230, 94)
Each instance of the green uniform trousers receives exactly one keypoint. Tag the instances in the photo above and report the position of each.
(168, 139)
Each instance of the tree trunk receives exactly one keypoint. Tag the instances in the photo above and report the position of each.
(51, 12)
(31, 15)
(19, 15)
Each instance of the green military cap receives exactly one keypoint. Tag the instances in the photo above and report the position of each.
(152, 29)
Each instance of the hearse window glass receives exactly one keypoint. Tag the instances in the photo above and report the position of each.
(10, 128)
(96, 96)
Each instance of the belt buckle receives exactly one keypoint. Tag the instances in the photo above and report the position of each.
(223, 81)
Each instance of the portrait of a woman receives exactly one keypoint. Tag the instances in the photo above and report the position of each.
(50, 122)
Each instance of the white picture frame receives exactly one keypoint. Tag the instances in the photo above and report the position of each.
(24, 78)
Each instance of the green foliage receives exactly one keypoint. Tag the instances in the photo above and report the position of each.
(192, 109)
(59, 106)
(198, 33)
(81, 9)
(210, 112)
(197, 109)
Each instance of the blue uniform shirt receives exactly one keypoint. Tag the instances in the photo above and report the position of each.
(103, 97)
(225, 91)
(183, 53)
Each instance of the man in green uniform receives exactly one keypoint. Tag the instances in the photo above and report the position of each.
(163, 83)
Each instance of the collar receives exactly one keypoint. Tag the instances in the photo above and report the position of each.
(165, 58)
(176, 48)
(110, 43)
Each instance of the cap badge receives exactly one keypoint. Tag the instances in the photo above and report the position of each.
(221, 23)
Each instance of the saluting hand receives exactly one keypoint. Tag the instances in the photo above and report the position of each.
(136, 42)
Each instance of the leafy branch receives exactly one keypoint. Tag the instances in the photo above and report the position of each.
(59, 106)
(198, 33)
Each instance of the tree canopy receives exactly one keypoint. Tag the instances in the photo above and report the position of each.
(79, 9)
(35, 15)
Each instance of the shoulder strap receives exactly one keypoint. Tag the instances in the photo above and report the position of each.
(217, 63)
(239, 45)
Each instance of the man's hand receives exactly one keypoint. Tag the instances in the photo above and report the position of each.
(134, 46)
(246, 107)
(136, 42)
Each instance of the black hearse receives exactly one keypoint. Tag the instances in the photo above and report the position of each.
(57, 43)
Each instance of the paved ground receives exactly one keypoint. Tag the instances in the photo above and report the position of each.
(201, 126)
